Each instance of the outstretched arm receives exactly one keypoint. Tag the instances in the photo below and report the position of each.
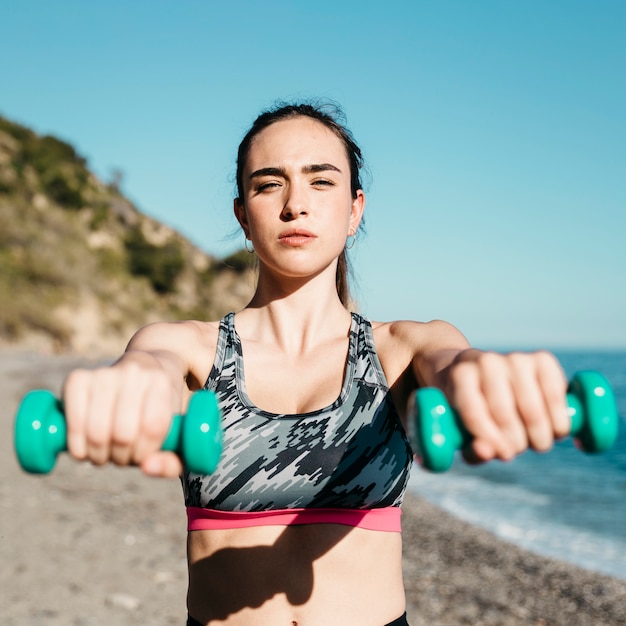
(122, 413)
(508, 402)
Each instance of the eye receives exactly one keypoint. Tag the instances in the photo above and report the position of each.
(266, 186)
(323, 182)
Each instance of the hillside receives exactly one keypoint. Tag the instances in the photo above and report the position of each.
(81, 268)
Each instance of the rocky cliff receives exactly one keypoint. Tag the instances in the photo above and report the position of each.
(81, 268)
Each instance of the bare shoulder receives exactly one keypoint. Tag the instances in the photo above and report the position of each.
(417, 336)
(174, 335)
(404, 345)
(193, 343)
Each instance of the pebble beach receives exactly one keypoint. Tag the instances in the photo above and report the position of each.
(87, 546)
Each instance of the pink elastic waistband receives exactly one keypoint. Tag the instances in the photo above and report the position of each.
(386, 519)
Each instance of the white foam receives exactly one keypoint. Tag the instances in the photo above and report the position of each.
(525, 518)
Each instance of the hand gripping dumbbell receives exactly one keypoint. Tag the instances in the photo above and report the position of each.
(41, 433)
(439, 431)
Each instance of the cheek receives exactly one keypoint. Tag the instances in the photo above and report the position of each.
(339, 227)
(256, 216)
(346, 217)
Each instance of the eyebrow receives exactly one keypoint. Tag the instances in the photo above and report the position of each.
(306, 169)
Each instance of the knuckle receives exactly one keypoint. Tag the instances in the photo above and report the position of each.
(106, 377)
(541, 445)
(518, 437)
(501, 410)
(131, 370)
(562, 427)
(546, 358)
(76, 379)
(136, 456)
(541, 438)
(519, 360)
(471, 416)
(120, 457)
(96, 441)
(121, 440)
(77, 450)
(74, 428)
(519, 444)
(547, 363)
(555, 395)
(96, 455)
(531, 413)
(154, 427)
(461, 373)
(489, 361)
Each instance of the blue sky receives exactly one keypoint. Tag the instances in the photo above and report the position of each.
(494, 132)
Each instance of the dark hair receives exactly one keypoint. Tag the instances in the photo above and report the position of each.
(331, 115)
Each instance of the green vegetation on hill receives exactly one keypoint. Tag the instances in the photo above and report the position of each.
(81, 266)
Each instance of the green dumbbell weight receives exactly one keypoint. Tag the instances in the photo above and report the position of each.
(41, 433)
(439, 431)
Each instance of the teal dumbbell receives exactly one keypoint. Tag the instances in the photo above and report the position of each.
(439, 431)
(41, 433)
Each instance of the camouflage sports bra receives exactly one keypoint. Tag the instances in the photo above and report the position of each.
(351, 455)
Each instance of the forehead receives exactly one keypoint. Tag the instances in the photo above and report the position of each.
(297, 141)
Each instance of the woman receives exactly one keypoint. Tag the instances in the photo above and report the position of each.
(300, 523)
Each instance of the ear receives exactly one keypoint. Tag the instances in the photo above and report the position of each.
(240, 214)
(356, 214)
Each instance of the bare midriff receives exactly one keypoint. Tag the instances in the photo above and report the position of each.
(304, 575)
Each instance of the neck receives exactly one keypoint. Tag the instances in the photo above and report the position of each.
(293, 313)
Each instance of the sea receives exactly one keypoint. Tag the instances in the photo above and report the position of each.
(565, 503)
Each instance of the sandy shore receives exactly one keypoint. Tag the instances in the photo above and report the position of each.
(85, 546)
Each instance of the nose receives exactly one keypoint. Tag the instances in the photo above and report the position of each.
(296, 203)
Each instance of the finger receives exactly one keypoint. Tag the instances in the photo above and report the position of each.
(99, 416)
(470, 401)
(478, 452)
(156, 418)
(499, 388)
(530, 401)
(162, 465)
(553, 383)
(76, 399)
(126, 422)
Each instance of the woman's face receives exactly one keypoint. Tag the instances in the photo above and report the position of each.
(297, 205)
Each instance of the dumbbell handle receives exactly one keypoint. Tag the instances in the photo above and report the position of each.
(439, 430)
(41, 433)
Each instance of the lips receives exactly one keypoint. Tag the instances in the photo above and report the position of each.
(296, 237)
